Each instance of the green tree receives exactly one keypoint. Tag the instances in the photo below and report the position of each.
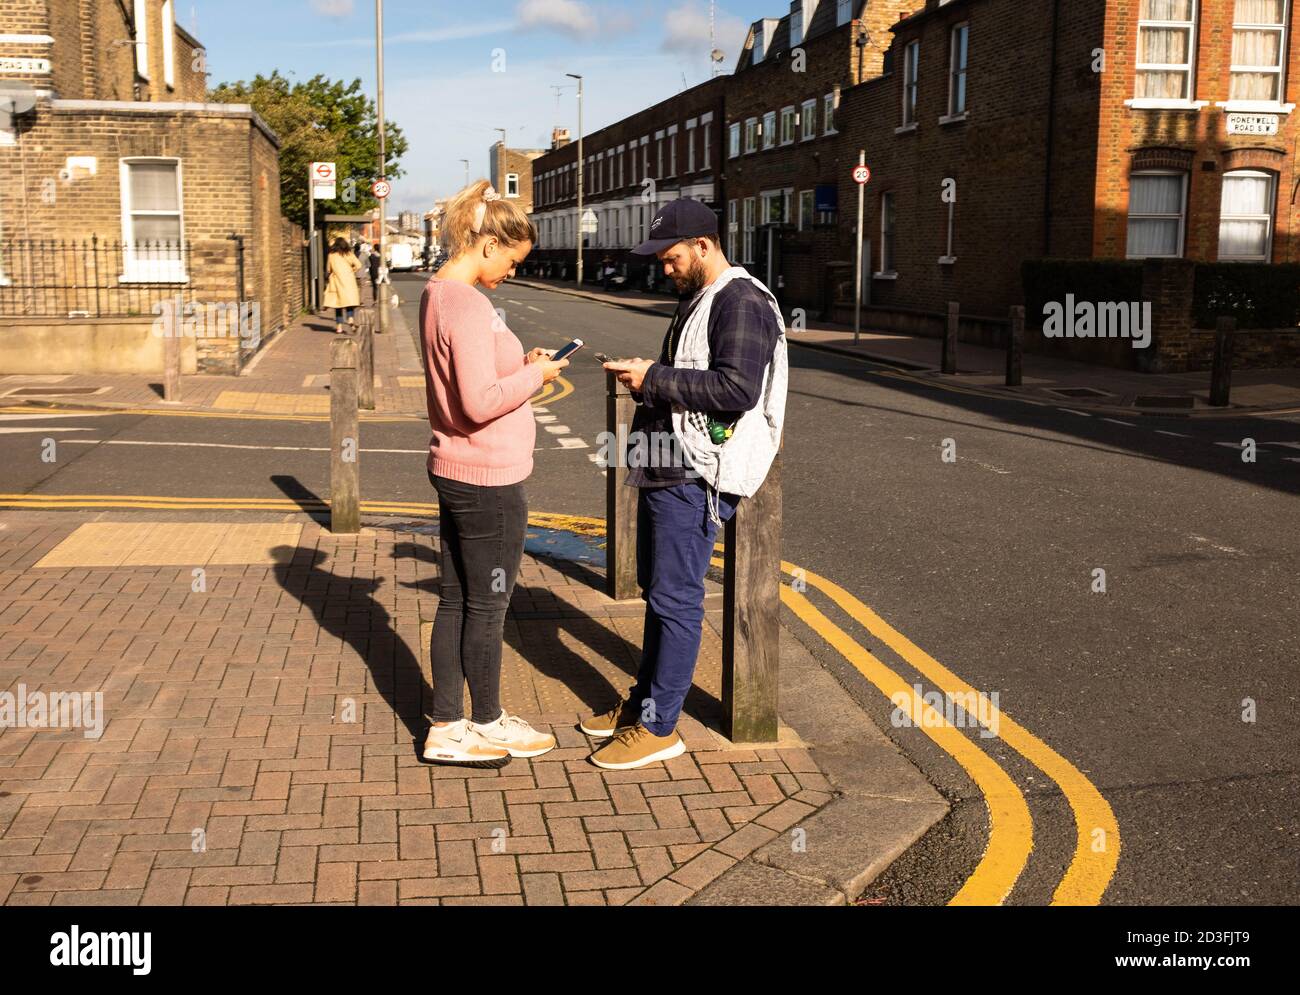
(321, 120)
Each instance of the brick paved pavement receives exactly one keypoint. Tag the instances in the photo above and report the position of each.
(275, 717)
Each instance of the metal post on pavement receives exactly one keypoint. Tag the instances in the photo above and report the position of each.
(1016, 345)
(578, 77)
(1221, 374)
(345, 443)
(857, 271)
(620, 500)
(751, 620)
(172, 360)
(949, 364)
(381, 314)
(312, 261)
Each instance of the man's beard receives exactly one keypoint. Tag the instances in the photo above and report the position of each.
(694, 280)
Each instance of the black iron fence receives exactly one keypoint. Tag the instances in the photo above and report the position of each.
(91, 278)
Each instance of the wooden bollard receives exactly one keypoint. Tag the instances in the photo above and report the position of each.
(949, 364)
(1221, 373)
(620, 500)
(1016, 346)
(366, 368)
(751, 615)
(345, 478)
(172, 361)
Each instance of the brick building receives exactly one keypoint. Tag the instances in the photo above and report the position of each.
(785, 153)
(511, 173)
(1138, 129)
(630, 168)
(122, 189)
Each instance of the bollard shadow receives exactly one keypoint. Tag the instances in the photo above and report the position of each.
(346, 608)
(307, 500)
(545, 639)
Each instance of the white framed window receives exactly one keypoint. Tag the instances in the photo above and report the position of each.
(828, 114)
(731, 230)
(645, 156)
(1259, 50)
(843, 12)
(733, 140)
(512, 184)
(142, 38)
(659, 154)
(758, 51)
(958, 47)
(672, 150)
(747, 229)
(169, 44)
(706, 126)
(1246, 216)
(787, 125)
(887, 246)
(751, 135)
(772, 203)
(1166, 50)
(796, 22)
(1157, 203)
(153, 220)
(769, 130)
(911, 81)
(690, 145)
(807, 204)
(808, 120)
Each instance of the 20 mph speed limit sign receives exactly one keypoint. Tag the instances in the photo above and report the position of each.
(381, 189)
(861, 174)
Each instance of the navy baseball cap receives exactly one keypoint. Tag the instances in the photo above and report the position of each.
(675, 221)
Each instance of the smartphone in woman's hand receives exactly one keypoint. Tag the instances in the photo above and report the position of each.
(568, 350)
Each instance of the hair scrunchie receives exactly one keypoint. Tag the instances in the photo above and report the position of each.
(480, 211)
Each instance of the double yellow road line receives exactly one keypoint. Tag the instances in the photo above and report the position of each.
(1010, 835)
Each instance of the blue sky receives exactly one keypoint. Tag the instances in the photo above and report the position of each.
(440, 87)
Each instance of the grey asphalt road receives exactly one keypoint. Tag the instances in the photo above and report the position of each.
(986, 562)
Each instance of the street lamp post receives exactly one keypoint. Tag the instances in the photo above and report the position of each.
(466, 162)
(381, 318)
(578, 77)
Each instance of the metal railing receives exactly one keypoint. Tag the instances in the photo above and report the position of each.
(90, 278)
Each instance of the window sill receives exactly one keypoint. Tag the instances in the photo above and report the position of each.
(952, 118)
(904, 129)
(5, 281)
(1154, 104)
(830, 131)
(891, 275)
(947, 260)
(807, 138)
(1255, 107)
(182, 278)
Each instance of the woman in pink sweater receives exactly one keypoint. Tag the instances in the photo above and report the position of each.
(478, 383)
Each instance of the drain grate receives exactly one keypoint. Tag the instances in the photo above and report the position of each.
(1164, 401)
(1080, 392)
(44, 391)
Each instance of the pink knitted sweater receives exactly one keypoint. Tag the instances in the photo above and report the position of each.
(478, 386)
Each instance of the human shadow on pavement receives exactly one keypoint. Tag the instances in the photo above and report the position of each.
(545, 650)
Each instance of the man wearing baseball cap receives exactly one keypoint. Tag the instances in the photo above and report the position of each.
(707, 427)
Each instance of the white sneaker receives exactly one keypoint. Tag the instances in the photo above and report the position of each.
(461, 743)
(510, 732)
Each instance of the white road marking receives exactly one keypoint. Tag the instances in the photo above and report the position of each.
(1081, 414)
(42, 428)
(1231, 445)
(556, 429)
(43, 417)
(572, 442)
(225, 445)
(1116, 421)
(1177, 435)
(545, 419)
(1221, 549)
(537, 309)
(540, 411)
(1289, 445)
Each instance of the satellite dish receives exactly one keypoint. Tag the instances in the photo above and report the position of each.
(716, 55)
(17, 103)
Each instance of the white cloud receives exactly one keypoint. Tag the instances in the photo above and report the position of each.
(686, 32)
(569, 16)
(472, 30)
(332, 8)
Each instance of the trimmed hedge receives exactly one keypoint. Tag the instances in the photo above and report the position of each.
(1258, 295)
(1047, 280)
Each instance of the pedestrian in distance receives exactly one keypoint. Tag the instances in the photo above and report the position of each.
(478, 383)
(372, 265)
(717, 392)
(342, 293)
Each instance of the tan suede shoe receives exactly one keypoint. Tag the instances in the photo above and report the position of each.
(636, 747)
(606, 724)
